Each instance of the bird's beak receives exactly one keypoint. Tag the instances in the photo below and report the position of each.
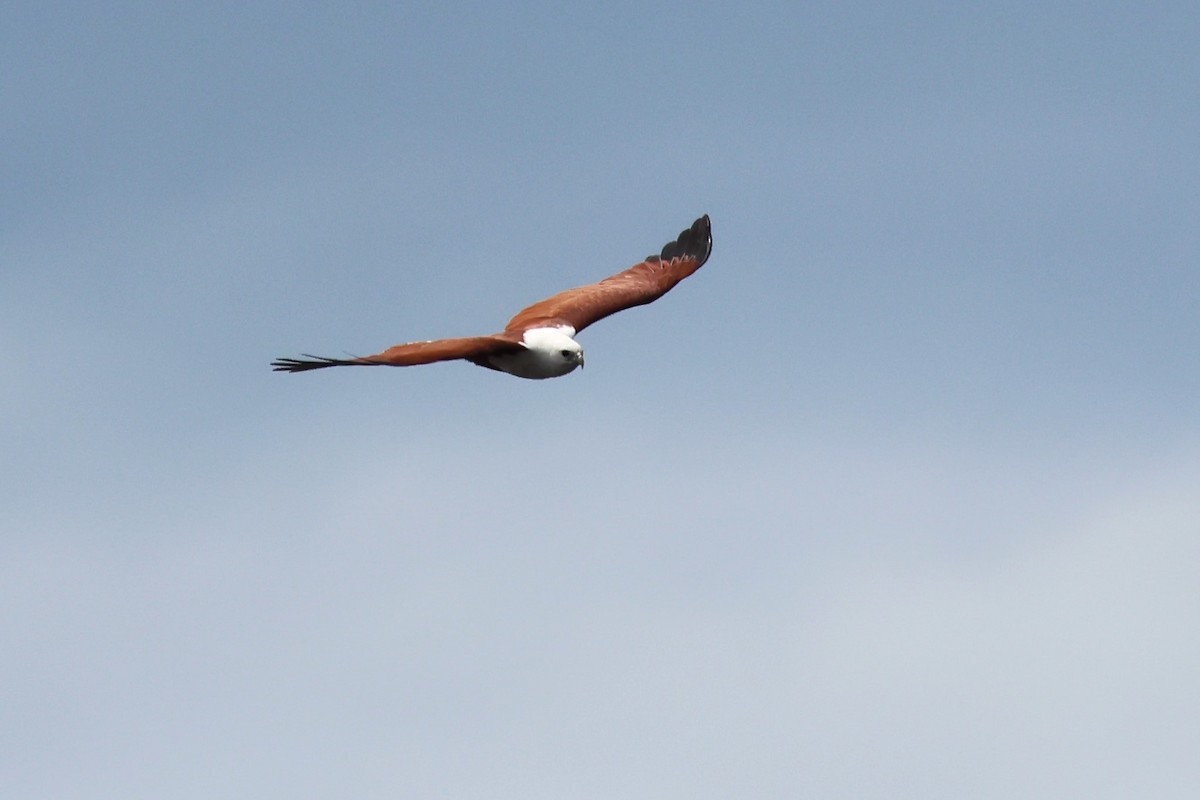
(581, 360)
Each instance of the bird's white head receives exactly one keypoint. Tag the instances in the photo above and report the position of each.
(554, 349)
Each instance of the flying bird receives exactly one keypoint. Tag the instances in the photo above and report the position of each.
(539, 342)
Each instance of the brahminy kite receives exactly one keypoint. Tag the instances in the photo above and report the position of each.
(539, 341)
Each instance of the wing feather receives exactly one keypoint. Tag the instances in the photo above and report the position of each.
(640, 284)
(471, 348)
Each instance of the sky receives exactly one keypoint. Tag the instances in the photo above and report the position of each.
(898, 496)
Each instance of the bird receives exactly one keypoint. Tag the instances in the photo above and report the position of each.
(539, 342)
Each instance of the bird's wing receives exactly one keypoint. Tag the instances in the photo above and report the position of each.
(470, 348)
(640, 284)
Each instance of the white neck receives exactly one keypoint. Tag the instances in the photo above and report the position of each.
(548, 353)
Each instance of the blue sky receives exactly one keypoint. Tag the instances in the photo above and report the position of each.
(898, 496)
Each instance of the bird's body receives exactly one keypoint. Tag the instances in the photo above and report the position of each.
(546, 353)
(539, 342)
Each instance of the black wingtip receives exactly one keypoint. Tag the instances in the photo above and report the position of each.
(695, 242)
(309, 361)
(304, 364)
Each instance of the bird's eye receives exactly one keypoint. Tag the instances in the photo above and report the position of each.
(565, 353)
